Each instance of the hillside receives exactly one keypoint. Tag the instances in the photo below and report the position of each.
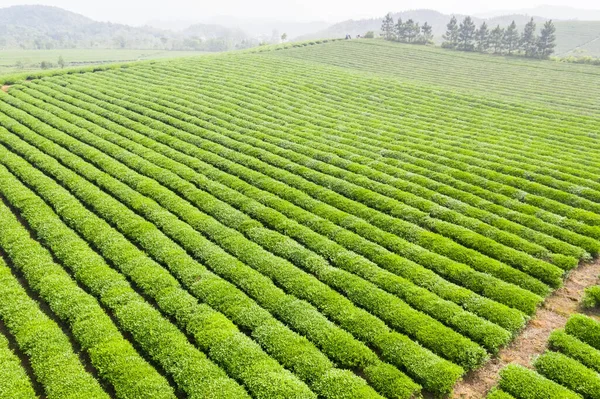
(570, 35)
(322, 221)
(45, 28)
(547, 83)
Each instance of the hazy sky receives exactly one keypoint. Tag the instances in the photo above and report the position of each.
(140, 11)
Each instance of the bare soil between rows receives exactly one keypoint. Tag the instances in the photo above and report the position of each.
(5, 88)
(531, 342)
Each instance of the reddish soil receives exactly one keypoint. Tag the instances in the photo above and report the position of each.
(532, 341)
(5, 88)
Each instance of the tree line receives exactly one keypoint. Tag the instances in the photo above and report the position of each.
(467, 37)
(406, 32)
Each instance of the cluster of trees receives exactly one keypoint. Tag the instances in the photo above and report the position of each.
(467, 37)
(406, 32)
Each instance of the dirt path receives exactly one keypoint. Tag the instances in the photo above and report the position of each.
(5, 88)
(532, 341)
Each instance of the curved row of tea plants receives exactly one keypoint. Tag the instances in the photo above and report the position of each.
(569, 369)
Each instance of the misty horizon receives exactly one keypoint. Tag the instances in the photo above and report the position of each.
(138, 14)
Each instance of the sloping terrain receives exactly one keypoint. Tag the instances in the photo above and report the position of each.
(287, 224)
(571, 35)
(517, 80)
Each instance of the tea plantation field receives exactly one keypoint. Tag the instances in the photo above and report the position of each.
(325, 221)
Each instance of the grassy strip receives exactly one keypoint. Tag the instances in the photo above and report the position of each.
(569, 373)
(14, 382)
(50, 353)
(159, 246)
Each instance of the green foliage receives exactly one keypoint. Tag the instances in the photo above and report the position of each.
(387, 27)
(569, 373)
(585, 329)
(524, 383)
(510, 41)
(547, 39)
(38, 336)
(587, 355)
(498, 394)
(466, 35)
(591, 297)
(451, 37)
(482, 38)
(528, 43)
(14, 381)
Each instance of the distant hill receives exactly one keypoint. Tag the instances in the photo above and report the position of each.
(550, 12)
(256, 28)
(571, 36)
(45, 27)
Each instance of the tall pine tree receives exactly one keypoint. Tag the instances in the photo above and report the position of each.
(482, 38)
(547, 40)
(528, 42)
(451, 35)
(497, 39)
(387, 27)
(426, 33)
(401, 30)
(412, 30)
(511, 38)
(466, 34)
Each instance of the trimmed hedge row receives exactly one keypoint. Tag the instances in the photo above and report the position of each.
(14, 382)
(173, 116)
(335, 252)
(195, 375)
(574, 348)
(524, 383)
(494, 289)
(49, 350)
(569, 373)
(294, 311)
(585, 329)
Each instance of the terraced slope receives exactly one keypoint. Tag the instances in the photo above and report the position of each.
(257, 226)
(528, 81)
